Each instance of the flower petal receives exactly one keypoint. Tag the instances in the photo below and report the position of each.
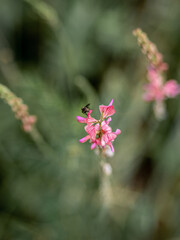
(81, 119)
(91, 130)
(171, 88)
(104, 139)
(111, 103)
(108, 120)
(84, 139)
(153, 92)
(90, 119)
(154, 77)
(118, 131)
(105, 127)
(111, 146)
(107, 111)
(93, 146)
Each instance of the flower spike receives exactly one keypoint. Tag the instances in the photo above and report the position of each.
(100, 134)
(157, 89)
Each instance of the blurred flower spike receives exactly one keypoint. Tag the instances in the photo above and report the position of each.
(157, 89)
(21, 113)
(100, 134)
(18, 107)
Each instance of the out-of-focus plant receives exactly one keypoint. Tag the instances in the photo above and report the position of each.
(45, 11)
(67, 53)
(18, 107)
(157, 90)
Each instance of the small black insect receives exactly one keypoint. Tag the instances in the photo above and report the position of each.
(85, 109)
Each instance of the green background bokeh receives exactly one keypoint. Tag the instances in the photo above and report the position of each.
(58, 56)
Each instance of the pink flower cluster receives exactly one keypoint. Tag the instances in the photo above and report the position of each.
(156, 90)
(99, 132)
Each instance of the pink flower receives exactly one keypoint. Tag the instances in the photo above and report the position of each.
(81, 119)
(153, 92)
(99, 132)
(156, 90)
(107, 111)
(171, 89)
(88, 119)
(154, 77)
(28, 122)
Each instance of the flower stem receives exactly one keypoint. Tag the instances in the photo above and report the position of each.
(105, 188)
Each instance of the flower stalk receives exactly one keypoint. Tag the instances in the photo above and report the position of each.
(101, 136)
(157, 90)
(149, 49)
(18, 107)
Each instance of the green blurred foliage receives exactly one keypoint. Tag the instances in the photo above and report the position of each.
(58, 56)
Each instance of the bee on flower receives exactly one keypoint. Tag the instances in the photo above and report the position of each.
(99, 133)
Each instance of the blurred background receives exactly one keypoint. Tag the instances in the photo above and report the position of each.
(58, 56)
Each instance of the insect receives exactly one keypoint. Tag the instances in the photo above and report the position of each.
(85, 109)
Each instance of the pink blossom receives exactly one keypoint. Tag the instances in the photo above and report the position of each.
(88, 119)
(171, 89)
(107, 111)
(107, 135)
(84, 139)
(153, 92)
(81, 119)
(99, 132)
(28, 122)
(156, 90)
(154, 77)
